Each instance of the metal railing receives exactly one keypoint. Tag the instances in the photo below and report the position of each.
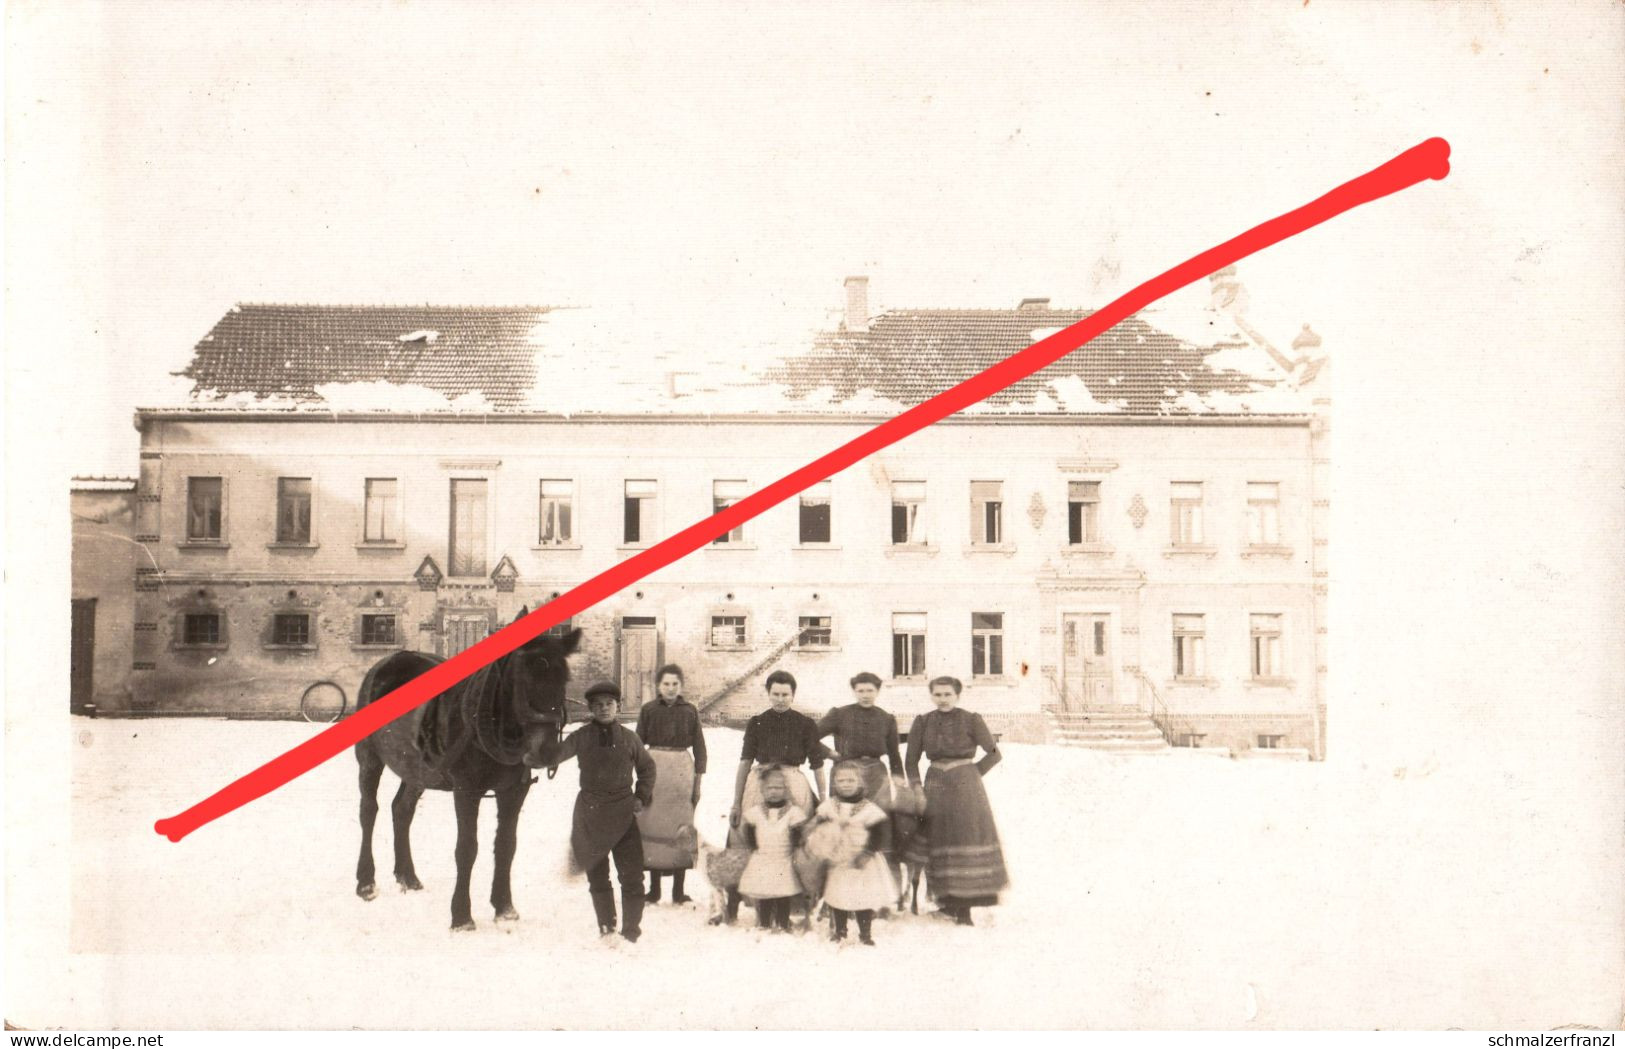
(1159, 710)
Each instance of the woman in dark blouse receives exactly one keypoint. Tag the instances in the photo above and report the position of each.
(670, 728)
(866, 735)
(957, 843)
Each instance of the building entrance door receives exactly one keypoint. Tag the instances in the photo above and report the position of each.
(1089, 667)
(465, 630)
(638, 657)
(82, 656)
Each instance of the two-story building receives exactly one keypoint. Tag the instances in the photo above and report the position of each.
(1137, 529)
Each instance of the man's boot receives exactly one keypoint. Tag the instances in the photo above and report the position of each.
(603, 905)
(654, 889)
(677, 895)
(632, 919)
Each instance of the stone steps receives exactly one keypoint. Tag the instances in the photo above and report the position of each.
(1110, 731)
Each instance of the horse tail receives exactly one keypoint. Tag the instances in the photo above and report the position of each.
(363, 696)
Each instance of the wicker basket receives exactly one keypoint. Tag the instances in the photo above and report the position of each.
(724, 867)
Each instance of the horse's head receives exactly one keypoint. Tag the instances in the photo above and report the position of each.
(540, 670)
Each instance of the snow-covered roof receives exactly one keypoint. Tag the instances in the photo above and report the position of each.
(270, 355)
(574, 362)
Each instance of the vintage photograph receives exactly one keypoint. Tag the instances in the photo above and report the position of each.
(1189, 682)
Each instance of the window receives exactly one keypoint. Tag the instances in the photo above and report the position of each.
(293, 509)
(1263, 513)
(908, 644)
(290, 628)
(1082, 512)
(205, 508)
(468, 511)
(561, 629)
(1190, 739)
(987, 644)
(382, 504)
(907, 521)
(1187, 513)
(557, 510)
(728, 632)
(723, 495)
(1271, 741)
(987, 512)
(640, 512)
(201, 628)
(1266, 645)
(1190, 644)
(815, 512)
(378, 629)
(815, 632)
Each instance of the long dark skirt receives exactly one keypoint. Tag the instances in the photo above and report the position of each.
(957, 842)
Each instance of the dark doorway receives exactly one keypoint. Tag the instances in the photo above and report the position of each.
(82, 656)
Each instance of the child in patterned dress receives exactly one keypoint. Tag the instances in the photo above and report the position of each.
(850, 835)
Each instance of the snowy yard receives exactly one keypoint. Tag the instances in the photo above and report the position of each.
(1184, 891)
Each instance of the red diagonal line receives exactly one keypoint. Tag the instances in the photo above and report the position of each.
(1429, 160)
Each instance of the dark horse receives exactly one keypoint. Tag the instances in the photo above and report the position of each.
(484, 734)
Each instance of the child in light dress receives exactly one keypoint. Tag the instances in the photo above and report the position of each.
(849, 837)
(772, 831)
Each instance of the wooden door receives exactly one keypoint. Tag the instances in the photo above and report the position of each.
(464, 630)
(639, 658)
(1088, 664)
(82, 656)
(1099, 661)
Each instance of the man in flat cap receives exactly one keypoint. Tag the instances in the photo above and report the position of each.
(605, 822)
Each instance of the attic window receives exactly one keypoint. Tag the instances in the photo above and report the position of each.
(421, 335)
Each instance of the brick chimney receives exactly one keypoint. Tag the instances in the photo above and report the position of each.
(857, 304)
(1034, 304)
(1227, 294)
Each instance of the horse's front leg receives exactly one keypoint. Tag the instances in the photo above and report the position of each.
(468, 846)
(372, 770)
(509, 802)
(402, 809)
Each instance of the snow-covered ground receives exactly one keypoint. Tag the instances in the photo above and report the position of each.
(1185, 891)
